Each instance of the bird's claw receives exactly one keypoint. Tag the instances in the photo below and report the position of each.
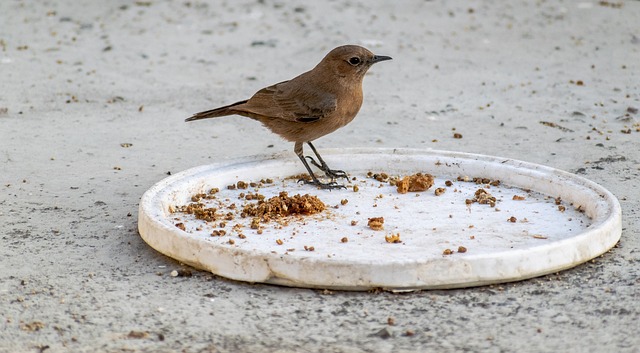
(335, 174)
(325, 186)
(331, 173)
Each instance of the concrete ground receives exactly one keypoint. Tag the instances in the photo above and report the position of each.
(80, 80)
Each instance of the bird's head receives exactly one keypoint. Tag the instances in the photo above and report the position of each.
(350, 61)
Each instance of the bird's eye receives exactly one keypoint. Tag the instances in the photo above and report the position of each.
(354, 61)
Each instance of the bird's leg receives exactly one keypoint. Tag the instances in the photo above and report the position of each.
(314, 179)
(332, 173)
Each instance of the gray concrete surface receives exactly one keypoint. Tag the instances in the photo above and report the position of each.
(80, 78)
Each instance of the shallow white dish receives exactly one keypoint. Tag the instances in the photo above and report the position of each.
(543, 239)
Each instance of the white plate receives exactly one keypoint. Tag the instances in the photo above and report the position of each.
(543, 239)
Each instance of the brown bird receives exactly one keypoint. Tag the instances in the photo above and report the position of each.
(311, 105)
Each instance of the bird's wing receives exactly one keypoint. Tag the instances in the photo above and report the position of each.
(291, 102)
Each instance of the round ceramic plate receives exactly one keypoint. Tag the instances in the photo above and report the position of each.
(533, 220)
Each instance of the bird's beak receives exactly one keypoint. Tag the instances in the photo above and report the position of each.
(378, 58)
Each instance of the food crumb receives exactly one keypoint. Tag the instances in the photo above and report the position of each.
(279, 241)
(344, 240)
(414, 183)
(512, 219)
(376, 223)
(197, 197)
(439, 191)
(353, 223)
(199, 210)
(284, 205)
(447, 252)
(393, 238)
(344, 202)
(518, 198)
(381, 177)
(482, 197)
(181, 226)
(309, 248)
(356, 188)
(462, 249)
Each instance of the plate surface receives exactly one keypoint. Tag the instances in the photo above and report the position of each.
(544, 220)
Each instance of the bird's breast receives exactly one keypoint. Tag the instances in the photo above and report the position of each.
(349, 105)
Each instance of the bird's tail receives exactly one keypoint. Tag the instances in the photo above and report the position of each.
(214, 113)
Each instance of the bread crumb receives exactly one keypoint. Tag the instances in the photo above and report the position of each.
(376, 223)
(393, 238)
(414, 183)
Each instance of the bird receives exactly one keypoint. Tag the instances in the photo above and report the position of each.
(309, 106)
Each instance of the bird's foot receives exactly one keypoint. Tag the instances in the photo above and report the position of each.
(331, 173)
(336, 173)
(325, 186)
